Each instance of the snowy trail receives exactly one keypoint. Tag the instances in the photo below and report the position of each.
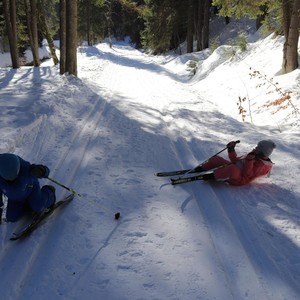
(240, 239)
(105, 135)
(246, 268)
(238, 242)
(113, 81)
(231, 237)
(39, 141)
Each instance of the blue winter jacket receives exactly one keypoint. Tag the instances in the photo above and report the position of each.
(20, 189)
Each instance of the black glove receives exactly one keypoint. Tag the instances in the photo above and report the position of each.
(231, 146)
(39, 171)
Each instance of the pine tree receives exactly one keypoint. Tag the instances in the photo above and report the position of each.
(91, 20)
(32, 19)
(159, 17)
(68, 36)
(9, 7)
(289, 10)
(48, 24)
(292, 27)
(62, 36)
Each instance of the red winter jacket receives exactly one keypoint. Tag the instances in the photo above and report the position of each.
(241, 170)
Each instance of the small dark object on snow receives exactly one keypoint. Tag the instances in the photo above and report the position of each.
(117, 216)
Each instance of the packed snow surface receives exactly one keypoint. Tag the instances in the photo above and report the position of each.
(106, 132)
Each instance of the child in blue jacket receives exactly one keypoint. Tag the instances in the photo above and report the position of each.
(19, 183)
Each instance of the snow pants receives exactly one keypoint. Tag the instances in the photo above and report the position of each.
(230, 172)
(39, 199)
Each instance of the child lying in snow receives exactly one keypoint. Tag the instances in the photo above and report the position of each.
(240, 170)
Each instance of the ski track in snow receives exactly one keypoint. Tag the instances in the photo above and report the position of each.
(240, 262)
(248, 269)
(38, 142)
(113, 145)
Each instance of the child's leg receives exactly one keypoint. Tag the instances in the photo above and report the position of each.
(42, 198)
(231, 173)
(214, 162)
(15, 211)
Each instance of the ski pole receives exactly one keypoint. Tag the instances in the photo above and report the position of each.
(238, 141)
(65, 187)
(117, 215)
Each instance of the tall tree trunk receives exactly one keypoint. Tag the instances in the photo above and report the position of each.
(190, 27)
(199, 30)
(45, 30)
(205, 34)
(286, 11)
(88, 21)
(108, 14)
(203, 14)
(11, 25)
(62, 36)
(290, 53)
(34, 30)
(71, 33)
(31, 15)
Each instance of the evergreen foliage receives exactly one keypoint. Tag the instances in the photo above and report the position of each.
(22, 30)
(91, 21)
(3, 38)
(266, 12)
(240, 8)
(157, 25)
(159, 16)
(50, 8)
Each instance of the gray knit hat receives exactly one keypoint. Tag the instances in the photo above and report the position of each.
(266, 147)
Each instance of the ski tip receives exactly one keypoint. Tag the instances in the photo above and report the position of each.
(163, 185)
(160, 174)
(14, 237)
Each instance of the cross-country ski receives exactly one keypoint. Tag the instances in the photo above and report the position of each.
(38, 218)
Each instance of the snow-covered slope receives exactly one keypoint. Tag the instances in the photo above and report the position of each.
(106, 133)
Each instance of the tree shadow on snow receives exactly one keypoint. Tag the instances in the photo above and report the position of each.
(117, 58)
(22, 107)
(266, 220)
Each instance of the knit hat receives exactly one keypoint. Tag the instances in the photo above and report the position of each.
(9, 166)
(266, 147)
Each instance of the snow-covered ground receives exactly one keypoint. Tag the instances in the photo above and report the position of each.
(105, 133)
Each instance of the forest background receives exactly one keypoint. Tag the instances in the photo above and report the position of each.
(156, 25)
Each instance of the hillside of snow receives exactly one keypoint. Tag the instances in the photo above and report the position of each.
(105, 133)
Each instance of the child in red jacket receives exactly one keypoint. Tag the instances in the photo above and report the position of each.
(240, 170)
